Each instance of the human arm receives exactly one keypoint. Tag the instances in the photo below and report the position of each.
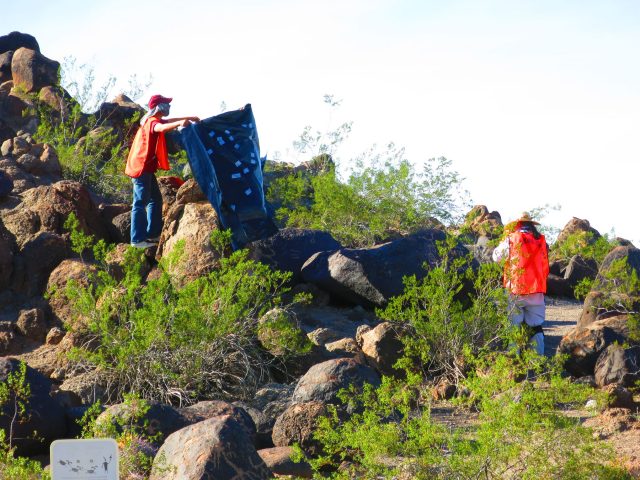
(173, 123)
(501, 251)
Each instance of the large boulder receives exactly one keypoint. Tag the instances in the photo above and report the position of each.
(578, 269)
(159, 419)
(371, 276)
(611, 293)
(290, 248)
(44, 419)
(31, 70)
(118, 114)
(16, 40)
(577, 225)
(558, 287)
(71, 269)
(191, 223)
(216, 408)
(618, 364)
(324, 380)
(216, 448)
(584, 345)
(480, 222)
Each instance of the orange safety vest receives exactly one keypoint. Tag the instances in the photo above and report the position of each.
(139, 153)
(527, 268)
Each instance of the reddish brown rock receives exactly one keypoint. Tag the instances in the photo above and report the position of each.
(297, 424)
(382, 348)
(214, 448)
(278, 460)
(31, 70)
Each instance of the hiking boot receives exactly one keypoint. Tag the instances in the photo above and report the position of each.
(143, 244)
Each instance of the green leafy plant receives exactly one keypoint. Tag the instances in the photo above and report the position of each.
(383, 197)
(130, 430)
(179, 343)
(14, 395)
(521, 429)
(453, 313)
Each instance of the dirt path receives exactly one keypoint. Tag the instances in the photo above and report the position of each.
(561, 316)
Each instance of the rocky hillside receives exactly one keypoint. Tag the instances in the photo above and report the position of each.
(248, 436)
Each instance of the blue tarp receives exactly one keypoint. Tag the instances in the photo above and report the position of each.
(224, 155)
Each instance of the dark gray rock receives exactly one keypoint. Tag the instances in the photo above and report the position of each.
(323, 381)
(579, 269)
(16, 40)
(558, 287)
(33, 324)
(371, 276)
(584, 345)
(159, 419)
(290, 248)
(618, 365)
(45, 418)
(217, 448)
(216, 408)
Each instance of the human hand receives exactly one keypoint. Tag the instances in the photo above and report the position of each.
(185, 122)
(194, 119)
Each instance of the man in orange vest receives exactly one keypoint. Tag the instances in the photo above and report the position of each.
(148, 153)
(526, 268)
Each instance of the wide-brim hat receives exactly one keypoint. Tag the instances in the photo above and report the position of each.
(524, 218)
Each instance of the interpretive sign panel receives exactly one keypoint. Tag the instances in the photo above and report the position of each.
(91, 459)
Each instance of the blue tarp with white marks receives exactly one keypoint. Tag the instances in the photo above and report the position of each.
(224, 154)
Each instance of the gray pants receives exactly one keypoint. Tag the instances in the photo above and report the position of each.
(529, 309)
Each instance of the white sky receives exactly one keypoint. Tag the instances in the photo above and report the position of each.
(536, 102)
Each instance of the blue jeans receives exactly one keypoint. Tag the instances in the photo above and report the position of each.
(146, 212)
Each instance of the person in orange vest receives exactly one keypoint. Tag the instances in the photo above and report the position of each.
(525, 252)
(148, 153)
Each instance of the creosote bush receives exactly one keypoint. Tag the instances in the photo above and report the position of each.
(454, 313)
(520, 429)
(178, 343)
(382, 198)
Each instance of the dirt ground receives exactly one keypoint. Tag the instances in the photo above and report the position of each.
(617, 426)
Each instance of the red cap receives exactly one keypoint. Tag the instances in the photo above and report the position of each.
(156, 99)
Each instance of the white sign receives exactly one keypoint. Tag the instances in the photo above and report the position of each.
(91, 459)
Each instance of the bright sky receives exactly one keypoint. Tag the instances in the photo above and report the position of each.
(535, 101)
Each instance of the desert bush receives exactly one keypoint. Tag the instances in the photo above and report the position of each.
(584, 244)
(179, 343)
(383, 197)
(453, 313)
(520, 429)
(130, 431)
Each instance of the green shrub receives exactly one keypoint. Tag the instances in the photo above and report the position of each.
(453, 313)
(180, 343)
(521, 429)
(584, 244)
(383, 200)
(129, 430)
